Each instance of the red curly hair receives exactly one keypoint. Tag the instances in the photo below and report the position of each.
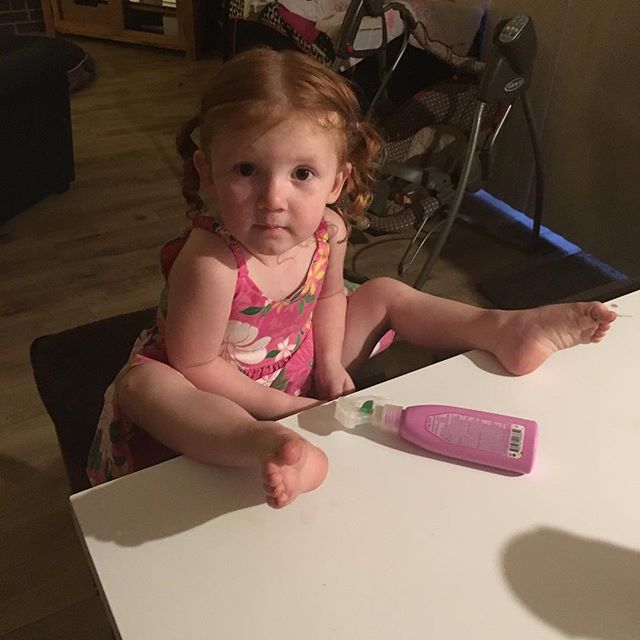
(261, 87)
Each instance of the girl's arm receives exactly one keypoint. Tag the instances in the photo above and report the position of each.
(330, 377)
(201, 287)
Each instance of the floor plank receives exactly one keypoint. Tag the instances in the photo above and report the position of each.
(85, 619)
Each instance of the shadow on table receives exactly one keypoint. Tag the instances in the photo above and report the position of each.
(486, 362)
(583, 587)
(155, 506)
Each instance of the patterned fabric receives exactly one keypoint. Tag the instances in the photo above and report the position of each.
(430, 129)
(238, 9)
(402, 218)
(452, 102)
(321, 48)
(270, 341)
(445, 29)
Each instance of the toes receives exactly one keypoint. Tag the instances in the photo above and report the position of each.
(272, 482)
(277, 502)
(270, 468)
(275, 492)
(600, 313)
(269, 489)
(600, 332)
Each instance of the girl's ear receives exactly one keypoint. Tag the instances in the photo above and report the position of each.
(338, 185)
(203, 167)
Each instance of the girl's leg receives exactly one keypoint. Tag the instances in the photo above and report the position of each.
(215, 430)
(521, 340)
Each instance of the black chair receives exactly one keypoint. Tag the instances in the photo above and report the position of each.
(72, 370)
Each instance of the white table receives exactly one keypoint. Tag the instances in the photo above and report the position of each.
(395, 544)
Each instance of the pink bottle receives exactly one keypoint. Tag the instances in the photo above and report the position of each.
(489, 439)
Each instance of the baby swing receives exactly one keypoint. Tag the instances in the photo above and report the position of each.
(440, 141)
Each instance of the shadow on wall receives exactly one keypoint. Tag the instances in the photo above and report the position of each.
(583, 587)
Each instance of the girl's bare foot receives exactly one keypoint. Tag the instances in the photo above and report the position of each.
(292, 467)
(527, 338)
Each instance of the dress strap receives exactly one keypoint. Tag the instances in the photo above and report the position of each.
(322, 232)
(210, 224)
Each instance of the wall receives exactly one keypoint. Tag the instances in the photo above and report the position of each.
(586, 98)
(20, 16)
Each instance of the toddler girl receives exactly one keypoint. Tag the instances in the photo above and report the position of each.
(254, 323)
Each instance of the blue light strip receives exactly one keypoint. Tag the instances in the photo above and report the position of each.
(561, 244)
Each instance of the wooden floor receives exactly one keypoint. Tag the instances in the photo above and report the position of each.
(75, 257)
(92, 253)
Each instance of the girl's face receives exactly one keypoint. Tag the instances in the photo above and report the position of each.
(271, 189)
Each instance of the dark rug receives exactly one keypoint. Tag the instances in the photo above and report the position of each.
(556, 278)
(552, 270)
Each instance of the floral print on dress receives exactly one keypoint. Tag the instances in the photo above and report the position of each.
(270, 341)
(282, 328)
(241, 344)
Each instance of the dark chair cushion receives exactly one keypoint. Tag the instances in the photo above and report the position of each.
(72, 370)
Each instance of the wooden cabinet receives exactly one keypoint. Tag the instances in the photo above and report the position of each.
(148, 22)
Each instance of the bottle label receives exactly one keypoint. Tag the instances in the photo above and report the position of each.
(504, 438)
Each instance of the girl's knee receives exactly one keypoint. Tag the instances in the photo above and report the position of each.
(378, 298)
(384, 289)
(383, 285)
(143, 380)
(131, 384)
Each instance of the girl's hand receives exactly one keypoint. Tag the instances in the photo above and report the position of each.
(332, 381)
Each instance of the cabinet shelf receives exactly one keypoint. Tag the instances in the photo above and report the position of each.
(151, 8)
(124, 21)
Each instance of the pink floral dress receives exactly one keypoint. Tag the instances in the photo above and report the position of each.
(270, 341)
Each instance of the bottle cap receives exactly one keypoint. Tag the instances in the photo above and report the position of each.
(388, 417)
(354, 410)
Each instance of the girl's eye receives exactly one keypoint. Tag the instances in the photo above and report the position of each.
(245, 169)
(303, 173)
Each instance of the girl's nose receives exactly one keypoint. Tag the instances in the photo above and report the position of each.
(272, 193)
